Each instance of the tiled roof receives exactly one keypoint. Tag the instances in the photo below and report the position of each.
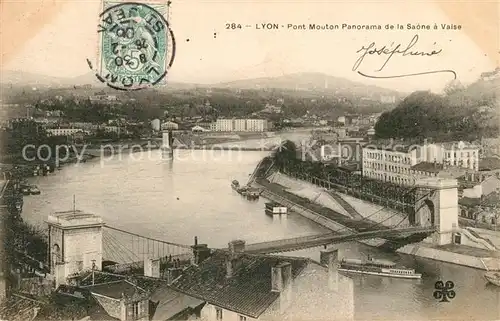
(116, 289)
(72, 303)
(489, 163)
(428, 167)
(170, 303)
(247, 292)
(468, 201)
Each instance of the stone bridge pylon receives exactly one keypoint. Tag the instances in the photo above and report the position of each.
(437, 205)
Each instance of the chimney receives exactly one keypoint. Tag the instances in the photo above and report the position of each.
(281, 282)
(200, 253)
(172, 274)
(229, 266)
(237, 246)
(330, 258)
(152, 268)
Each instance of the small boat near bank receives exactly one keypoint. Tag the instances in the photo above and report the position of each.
(30, 189)
(493, 277)
(247, 191)
(273, 208)
(377, 267)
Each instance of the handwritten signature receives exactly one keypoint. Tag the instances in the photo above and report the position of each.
(399, 49)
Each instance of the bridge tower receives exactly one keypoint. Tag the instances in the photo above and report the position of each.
(438, 206)
(75, 243)
(167, 151)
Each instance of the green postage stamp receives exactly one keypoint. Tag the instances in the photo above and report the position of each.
(136, 45)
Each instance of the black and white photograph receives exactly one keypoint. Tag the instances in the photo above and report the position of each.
(249, 160)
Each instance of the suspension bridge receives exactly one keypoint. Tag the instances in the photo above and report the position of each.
(122, 250)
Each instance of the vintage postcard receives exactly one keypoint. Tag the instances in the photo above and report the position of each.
(249, 160)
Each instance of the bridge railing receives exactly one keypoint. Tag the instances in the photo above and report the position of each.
(286, 242)
(318, 240)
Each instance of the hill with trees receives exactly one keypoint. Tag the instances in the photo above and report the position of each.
(461, 113)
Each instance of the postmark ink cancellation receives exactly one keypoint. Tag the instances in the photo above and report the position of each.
(137, 46)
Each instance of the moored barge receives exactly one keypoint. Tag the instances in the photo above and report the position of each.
(273, 208)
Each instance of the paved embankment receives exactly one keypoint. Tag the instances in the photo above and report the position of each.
(327, 213)
(444, 255)
(362, 209)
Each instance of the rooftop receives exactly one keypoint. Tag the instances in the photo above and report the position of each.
(489, 163)
(116, 289)
(74, 218)
(247, 292)
(428, 167)
(170, 303)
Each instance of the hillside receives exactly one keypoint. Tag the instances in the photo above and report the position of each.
(466, 113)
(310, 82)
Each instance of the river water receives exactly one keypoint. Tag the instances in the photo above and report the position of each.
(191, 196)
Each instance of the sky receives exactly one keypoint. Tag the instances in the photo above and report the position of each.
(206, 52)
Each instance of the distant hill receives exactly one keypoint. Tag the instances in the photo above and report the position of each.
(26, 78)
(20, 78)
(300, 81)
(310, 82)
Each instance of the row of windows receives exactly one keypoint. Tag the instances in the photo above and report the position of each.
(386, 167)
(401, 272)
(390, 158)
(393, 179)
(219, 315)
(462, 154)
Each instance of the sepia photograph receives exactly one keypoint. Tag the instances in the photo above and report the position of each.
(249, 160)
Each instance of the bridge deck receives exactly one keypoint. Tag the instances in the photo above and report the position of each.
(304, 242)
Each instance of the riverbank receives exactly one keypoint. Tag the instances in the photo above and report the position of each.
(456, 254)
(307, 205)
(323, 216)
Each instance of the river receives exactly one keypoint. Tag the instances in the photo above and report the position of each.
(191, 196)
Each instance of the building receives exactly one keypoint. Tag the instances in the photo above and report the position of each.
(112, 129)
(241, 125)
(224, 125)
(387, 99)
(155, 124)
(257, 125)
(75, 243)
(476, 185)
(169, 125)
(243, 287)
(198, 129)
(64, 131)
(100, 296)
(404, 163)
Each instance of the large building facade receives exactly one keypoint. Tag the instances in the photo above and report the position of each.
(398, 163)
(241, 125)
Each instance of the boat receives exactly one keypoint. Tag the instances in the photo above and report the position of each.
(243, 190)
(26, 191)
(253, 193)
(493, 277)
(235, 185)
(34, 190)
(273, 208)
(377, 267)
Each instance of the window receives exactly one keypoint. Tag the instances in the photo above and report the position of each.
(243, 318)
(218, 313)
(135, 310)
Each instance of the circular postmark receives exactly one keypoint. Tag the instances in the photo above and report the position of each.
(137, 46)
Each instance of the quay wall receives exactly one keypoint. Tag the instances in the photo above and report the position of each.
(375, 212)
(428, 252)
(313, 216)
(307, 190)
